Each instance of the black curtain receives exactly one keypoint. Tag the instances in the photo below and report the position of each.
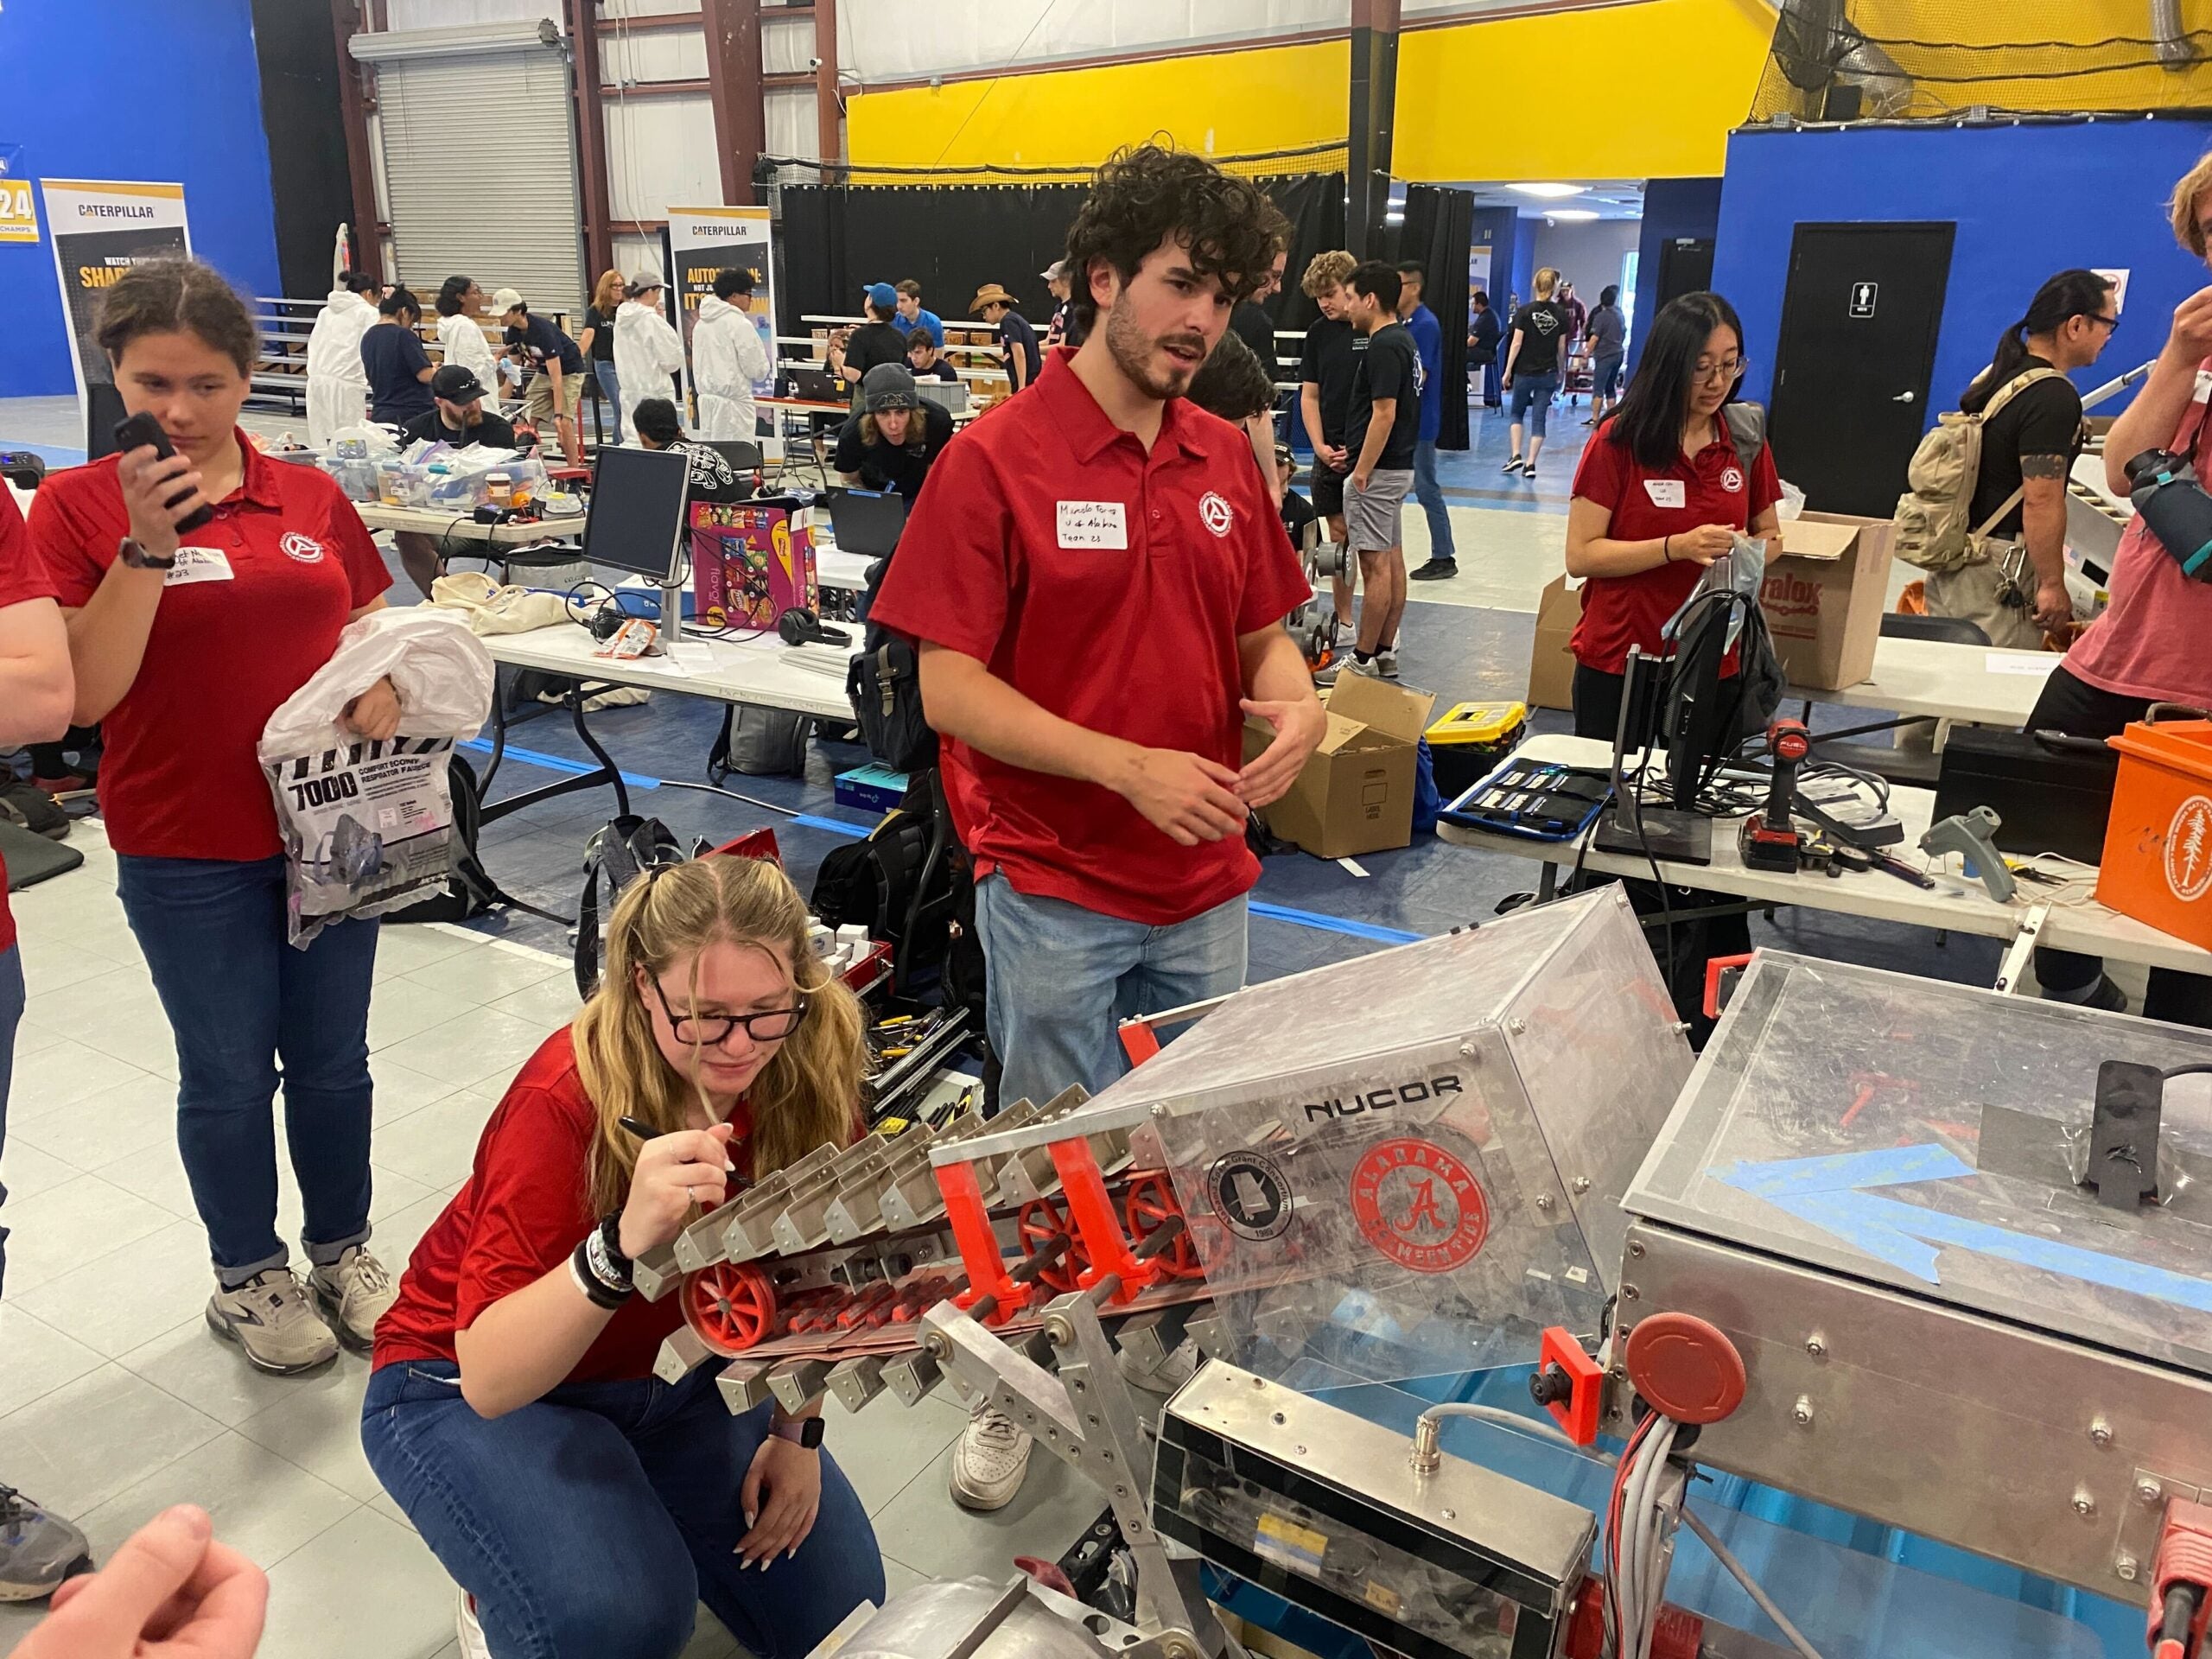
(311, 187)
(953, 239)
(1438, 230)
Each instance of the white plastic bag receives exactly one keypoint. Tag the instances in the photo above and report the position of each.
(1792, 502)
(368, 826)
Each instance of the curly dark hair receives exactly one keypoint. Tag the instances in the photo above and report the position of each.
(1232, 382)
(1143, 194)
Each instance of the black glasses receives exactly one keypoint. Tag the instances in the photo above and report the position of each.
(2109, 322)
(711, 1030)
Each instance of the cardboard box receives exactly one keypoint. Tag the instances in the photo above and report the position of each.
(1551, 666)
(751, 561)
(1823, 597)
(1356, 793)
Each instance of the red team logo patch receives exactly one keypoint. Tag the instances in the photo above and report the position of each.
(1216, 514)
(1418, 1205)
(305, 549)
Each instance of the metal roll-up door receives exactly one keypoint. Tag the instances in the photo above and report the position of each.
(479, 159)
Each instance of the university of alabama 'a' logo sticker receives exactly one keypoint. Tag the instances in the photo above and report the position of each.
(1418, 1205)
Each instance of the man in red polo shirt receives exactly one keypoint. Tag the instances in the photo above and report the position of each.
(1097, 577)
(37, 1550)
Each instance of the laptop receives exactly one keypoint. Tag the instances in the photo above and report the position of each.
(950, 395)
(819, 386)
(867, 523)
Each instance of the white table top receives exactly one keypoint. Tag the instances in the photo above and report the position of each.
(763, 672)
(444, 521)
(1957, 904)
(1977, 684)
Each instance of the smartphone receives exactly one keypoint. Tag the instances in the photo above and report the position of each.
(141, 430)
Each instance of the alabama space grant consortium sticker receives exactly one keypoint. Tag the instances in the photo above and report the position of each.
(1251, 1195)
(1418, 1205)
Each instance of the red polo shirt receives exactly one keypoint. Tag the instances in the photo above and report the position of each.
(1647, 502)
(23, 579)
(1109, 587)
(252, 609)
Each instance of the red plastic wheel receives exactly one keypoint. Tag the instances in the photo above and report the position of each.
(1150, 1201)
(1038, 1222)
(730, 1306)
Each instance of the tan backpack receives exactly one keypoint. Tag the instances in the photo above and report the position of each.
(1931, 517)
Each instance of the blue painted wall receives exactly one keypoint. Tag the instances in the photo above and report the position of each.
(2028, 200)
(1672, 207)
(138, 90)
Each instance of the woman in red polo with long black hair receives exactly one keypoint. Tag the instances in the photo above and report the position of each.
(1661, 492)
(184, 642)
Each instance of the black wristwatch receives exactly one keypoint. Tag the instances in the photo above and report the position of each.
(138, 558)
(800, 1431)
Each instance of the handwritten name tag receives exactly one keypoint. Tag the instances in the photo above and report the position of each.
(1094, 523)
(199, 564)
(1665, 492)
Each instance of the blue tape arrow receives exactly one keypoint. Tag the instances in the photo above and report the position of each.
(1831, 1194)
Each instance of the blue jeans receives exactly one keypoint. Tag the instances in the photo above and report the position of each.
(590, 1523)
(240, 999)
(11, 1015)
(1059, 980)
(1430, 494)
(1532, 398)
(611, 387)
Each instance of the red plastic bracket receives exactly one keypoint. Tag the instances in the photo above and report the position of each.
(1679, 1635)
(1139, 1041)
(1714, 967)
(1092, 1214)
(1578, 1413)
(2184, 1557)
(979, 1243)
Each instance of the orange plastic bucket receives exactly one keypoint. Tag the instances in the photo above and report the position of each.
(2157, 857)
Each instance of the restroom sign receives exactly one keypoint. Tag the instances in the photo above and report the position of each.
(1863, 295)
(18, 216)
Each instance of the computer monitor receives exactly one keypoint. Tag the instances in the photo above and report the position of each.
(952, 396)
(867, 523)
(1701, 707)
(640, 511)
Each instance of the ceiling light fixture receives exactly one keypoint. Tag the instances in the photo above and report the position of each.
(1571, 215)
(1549, 192)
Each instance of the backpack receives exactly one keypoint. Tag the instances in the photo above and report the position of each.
(621, 850)
(1931, 516)
(885, 687)
(469, 890)
(872, 883)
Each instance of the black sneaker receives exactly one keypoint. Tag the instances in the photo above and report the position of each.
(32, 808)
(38, 1549)
(1436, 570)
(1511, 467)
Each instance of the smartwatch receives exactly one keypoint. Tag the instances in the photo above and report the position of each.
(800, 1431)
(138, 558)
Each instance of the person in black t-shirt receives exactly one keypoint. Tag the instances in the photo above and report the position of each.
(925, 361)
(879, 339)
(1542, 330)
(597, 344)
(1325, 366)
(399, 370)
(1018, 345)
(1250, 322)
(895, 438)
(1381, 430)
(713, 477)
(458, 418)
(2030, 434)
(1483, 332)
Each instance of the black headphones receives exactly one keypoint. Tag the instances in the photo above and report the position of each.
(800, 626)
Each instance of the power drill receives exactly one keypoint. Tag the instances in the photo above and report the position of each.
(1771, 840)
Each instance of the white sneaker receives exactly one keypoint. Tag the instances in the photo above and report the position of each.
(1171, 1374)
(1386, 664)
(354, 1292)
(270, 1317)
(988, 1460)
(468, 1635)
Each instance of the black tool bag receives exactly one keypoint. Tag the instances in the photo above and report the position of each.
(2052, 792)
(885, 684)
(469, 890)
(621, 851)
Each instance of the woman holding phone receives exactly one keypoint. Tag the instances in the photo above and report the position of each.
(202, 587)
(584, 1506)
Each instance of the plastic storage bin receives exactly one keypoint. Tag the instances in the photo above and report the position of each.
(2158, 858)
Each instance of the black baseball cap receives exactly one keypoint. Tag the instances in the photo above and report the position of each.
(457, 384)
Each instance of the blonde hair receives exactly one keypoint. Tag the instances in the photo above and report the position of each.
(607, 293)
(1546, 282)
(808, 1092)
(2194, 183)
(1326, 271)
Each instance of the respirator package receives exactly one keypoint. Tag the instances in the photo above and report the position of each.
(2174, 507)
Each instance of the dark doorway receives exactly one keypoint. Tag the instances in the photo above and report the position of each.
(1685, 267)
(1851, 368)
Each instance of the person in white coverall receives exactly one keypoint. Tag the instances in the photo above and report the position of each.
(647, 350)
(338, 386)
(727, 359)
(461, 332)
